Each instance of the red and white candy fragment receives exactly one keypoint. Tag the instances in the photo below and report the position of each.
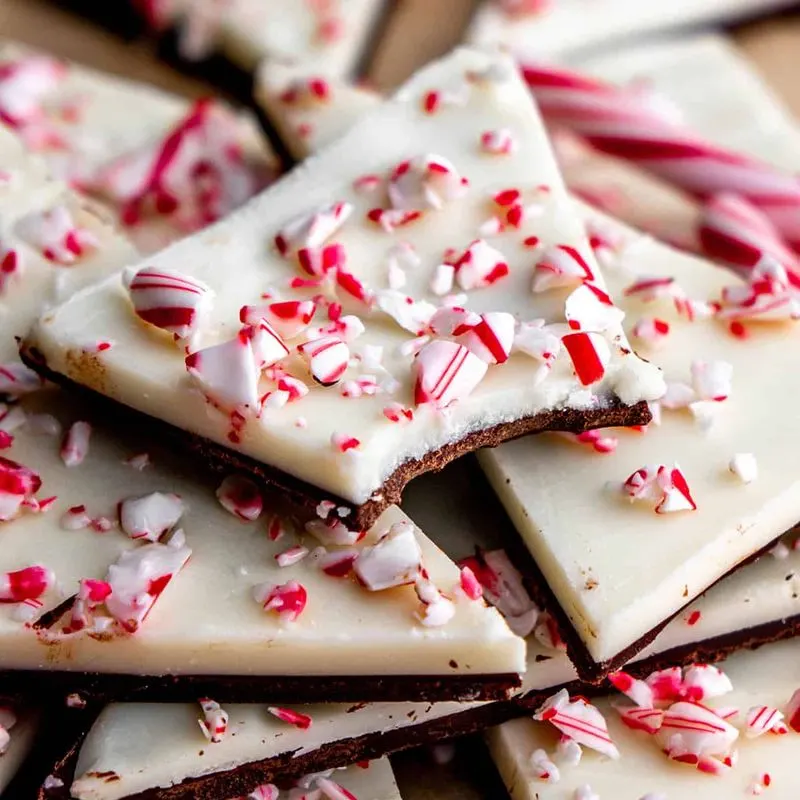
(590, 354)
(694, 734)
(479, 266)
(296, 718)
(589, 308)
(311, 230)
(168, 300)
(289, 318)
(579, 720)
(24, 84)
(75, 446)
(490, 338)
(544, 769)
(665, 486)
(26, 584)
(215, 720)
(630, 124)
(332, 790)
(764, 719)
(792, 711)
(650, 330)
(437, 610)
(424, 182)
(733, 231)
(17, 380)
(394, 560)
(83, 614)
(150, 516)
(500, 142)
(265, 342)
(538, 341)
(241, 497)
(55, 235)
(18, 486)
(596, 439)
(559, 266)
(287, 599)
(412, 315)
(11, 265)
(503, 588)
(446, 372)
(267, 791)
(768, 296)
(327, 359)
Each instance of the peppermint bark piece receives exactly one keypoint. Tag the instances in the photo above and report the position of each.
(344, 384)
(625, 535)
(751, 709)
(165, 166)
(18, 728)
(556, 28)
(98, 528)
(332, 34)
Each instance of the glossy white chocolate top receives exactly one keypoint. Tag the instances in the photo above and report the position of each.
(476, 92)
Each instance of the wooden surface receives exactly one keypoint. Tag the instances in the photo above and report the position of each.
(412, 34)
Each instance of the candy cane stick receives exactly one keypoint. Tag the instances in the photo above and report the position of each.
(630, 125)
(736, 233)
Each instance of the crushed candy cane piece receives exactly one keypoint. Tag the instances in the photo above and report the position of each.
(637, 690)
(589, 308)
(501, 142)
(18, 485)
(333, 532)
(767, 296)
(704, 681)
(287, 599)
(445, 373)
(291, 556)
(17, 380)
(547, 634)
(491, 338)
(266, 344)
(296, 718)
(690, 731)
(437, 610)
(394, 560)
(651, 330)
(344, 443)
(319, 261)
(150, 516)
(75, 446)
(764, 719)
(397, 412)
(641, 719)
(665, 486)
(579, 720)
(568, 751)
(168, 300)
(744, 466)
(327, 359)
(75, 518)
(442, 279)
(424, 182)
(479, 266)
(560, 266)
(241, 497)
(792, 711)
(711, 380)
(55, 234)
(311, 229)
(590, 354)
(26, 584)
(470, 585)
(227, 373)
(215, 720)
(543, 768)
(333, 791)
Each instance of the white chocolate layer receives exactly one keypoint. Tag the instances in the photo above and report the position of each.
(207, 621)
(768, 676)
(249, 30)
(122, 741)
(94, 120)
(564, 26)
(22, 736)
(146, 371)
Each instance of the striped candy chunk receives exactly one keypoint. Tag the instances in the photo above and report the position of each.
(327, 359)
(55, 235)
(17, 380)
(637, 690)
(736, 233)
(292, 717)
(590, 308)
(266, 344)
(150, 516)
(579, 720)
(288, 317)
(538, 341)
(10, 267)
(394, 560)
(705, 681)
(18, 485)
(690, 731)
(641, 719)
(139, 577)
(445, 373)
(764, 719)
(29, 583)
(287, 600)
(590, 354)
(665, 486)
(215, 720)
(168, 300)
(333, 791)
(319, 261)
(560, 265)
(24, 84)
(424, 182)
(491, 339)
(633, 125)
(479, 266)
(311, 229)
(651, 330)
(768, 296)
(666, 684)
(227, 373)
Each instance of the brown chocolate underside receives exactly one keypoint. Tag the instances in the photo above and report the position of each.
(307, 497)
(103, 687)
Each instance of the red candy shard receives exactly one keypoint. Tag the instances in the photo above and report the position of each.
(590, 354)
(296, 718)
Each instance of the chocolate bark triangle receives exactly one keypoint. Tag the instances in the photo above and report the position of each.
(371, 316)
(124, 573)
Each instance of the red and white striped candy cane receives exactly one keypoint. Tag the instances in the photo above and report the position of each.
(627, 123)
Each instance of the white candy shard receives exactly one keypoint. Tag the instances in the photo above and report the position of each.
(55, 234)
(311, 229)
(560, 266)
(227, 373)
(744, 466)
(395, 560)
(75, 446)
(149, 517)
(543, 768)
